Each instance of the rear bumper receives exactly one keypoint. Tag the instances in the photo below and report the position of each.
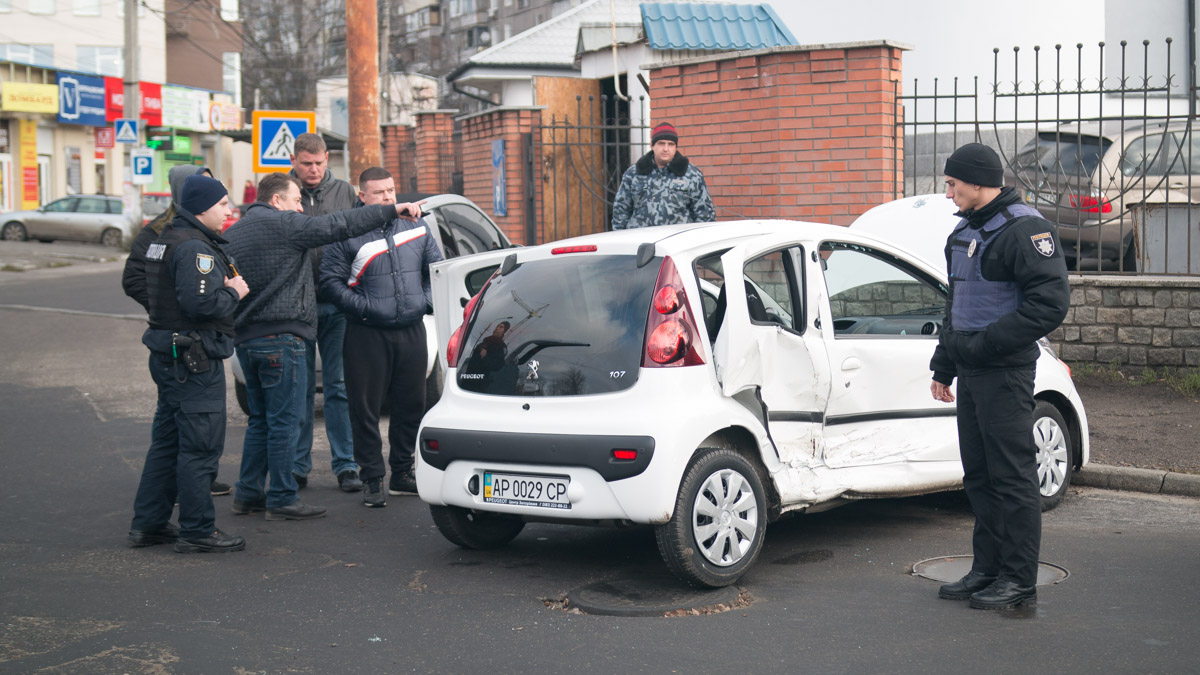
(576, 450)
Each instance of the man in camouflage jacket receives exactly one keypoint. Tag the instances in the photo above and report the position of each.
(662, 188)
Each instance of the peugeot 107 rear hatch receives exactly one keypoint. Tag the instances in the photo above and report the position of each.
(571, 325)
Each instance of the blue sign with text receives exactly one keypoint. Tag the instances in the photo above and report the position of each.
(499, 182)
(81, 100)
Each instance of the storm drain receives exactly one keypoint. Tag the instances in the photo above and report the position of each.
(652, 595)
(953, 568)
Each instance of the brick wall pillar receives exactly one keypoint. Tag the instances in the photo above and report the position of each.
(435, 160)
(396, 140)
(515, 126)
(804, 132)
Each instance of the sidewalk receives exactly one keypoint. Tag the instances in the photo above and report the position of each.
(1153, 481)
(26, 256)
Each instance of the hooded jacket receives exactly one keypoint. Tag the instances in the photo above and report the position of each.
(271, 247)
(381, 278)
(133, 279)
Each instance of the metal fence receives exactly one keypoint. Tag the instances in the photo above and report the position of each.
(584, 156)
(1109, 157)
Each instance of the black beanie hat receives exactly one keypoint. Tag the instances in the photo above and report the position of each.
(199, 193)
(664, 132)
(977, 164)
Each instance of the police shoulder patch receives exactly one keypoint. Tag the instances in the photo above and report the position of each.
(156, 251)
(204, 263)
(1043, 243)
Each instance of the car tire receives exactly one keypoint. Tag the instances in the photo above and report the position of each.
(477, 530)
(111, 237)
(14, 231)
(239, 391)
(720, 520)
(1052, 439)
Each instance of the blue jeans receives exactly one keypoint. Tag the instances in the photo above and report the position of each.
(331, 332)
(276, 375)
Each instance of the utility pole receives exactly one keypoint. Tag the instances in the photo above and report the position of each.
(132, 109)
(362, 71)
(385, 61)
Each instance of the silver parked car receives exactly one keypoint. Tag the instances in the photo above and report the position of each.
(94, 218)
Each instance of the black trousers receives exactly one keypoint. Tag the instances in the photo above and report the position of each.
(995, 436)
(384, 362)
(186, 443)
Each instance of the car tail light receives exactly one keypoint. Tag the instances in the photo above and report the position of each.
(624, 455)
(454, 347)
(1093, 203)
(591, 248)
(671, 334)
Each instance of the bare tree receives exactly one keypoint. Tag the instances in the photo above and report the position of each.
(287, 46)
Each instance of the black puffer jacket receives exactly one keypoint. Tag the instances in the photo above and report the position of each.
(381, 278)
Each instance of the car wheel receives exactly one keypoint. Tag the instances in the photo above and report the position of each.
(239, 390)
(719, 523)
(1052, 439)
(477, 530)
(111, 237)
(14, 231)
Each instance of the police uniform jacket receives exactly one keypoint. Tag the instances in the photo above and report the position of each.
(381, 278)
(185, 276)
(1022, 256)
(271, 247)
(651, 196)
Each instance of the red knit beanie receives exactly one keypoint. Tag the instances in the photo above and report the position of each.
(664, 132)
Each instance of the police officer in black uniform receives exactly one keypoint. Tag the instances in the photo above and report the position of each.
(1008, 288)
(193, 290)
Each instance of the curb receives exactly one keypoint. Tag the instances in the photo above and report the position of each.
(1153, 481)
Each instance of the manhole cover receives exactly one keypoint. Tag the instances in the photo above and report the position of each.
(954, 567)
(648, 596)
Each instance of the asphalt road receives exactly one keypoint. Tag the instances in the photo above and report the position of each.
(380, 590)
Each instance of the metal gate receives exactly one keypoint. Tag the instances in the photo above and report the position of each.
(583, 158)
(1110, 158)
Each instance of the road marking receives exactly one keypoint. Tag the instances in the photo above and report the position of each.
(78, 312)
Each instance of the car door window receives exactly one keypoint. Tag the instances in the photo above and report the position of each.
(470, 229)
(873, 293)
(61, 206)
(1187, 164)
(90, 205)
(1148, 155)
(115, 207)
(769, 290)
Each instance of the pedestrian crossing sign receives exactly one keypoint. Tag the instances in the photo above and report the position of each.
(127, 130)
(273, 134)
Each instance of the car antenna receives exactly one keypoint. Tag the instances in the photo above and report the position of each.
(509, 264)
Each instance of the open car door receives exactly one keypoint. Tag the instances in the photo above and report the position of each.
(767, 347)
(453, 283)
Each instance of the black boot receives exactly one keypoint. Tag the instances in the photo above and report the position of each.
(167, 534)
(217, 542)
(1004, 594)
(962, 589)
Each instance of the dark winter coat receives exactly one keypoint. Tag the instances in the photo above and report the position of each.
(329, 196)
(381, 278)
(270, 248)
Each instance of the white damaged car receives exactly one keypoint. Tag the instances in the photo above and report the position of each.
(703, 379)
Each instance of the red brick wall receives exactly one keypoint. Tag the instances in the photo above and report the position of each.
(395, 141)
(435, 152)
(808, 134)
(478, 132)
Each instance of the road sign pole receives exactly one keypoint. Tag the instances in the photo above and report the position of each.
(132, 192)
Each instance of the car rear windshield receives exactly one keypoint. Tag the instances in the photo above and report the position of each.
(1063, 154)
(571, 325)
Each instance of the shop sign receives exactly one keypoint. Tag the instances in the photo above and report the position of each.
(27, 97)
(81, 100)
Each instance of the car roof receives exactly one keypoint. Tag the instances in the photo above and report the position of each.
(1114, 128)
